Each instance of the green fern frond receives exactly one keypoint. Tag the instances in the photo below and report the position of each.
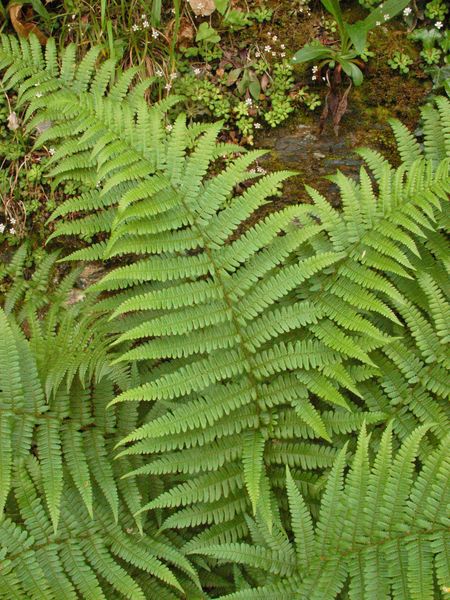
(368, 550)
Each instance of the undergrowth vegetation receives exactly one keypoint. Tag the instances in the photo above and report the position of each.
(245, 405)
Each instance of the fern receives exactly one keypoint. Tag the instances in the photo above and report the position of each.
(56, 452)
(335, 265)
(84, 552)
(221, 348)
(380, 532)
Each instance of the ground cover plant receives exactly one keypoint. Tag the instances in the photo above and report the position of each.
(251, 401)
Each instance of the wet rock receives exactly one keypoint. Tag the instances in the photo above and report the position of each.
(300, 148)
(90, 275)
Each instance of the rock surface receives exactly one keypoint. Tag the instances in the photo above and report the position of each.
(300, 148)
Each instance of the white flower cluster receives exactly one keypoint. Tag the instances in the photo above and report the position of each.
(269, 48)
(258, 169)
(305, 8)
(145, 24)
(11, 230)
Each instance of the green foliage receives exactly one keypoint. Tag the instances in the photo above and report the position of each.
(400, 62)
(222, 346)
(249, 90)
(353, 39)
(436, 10)
(435, 53)
(382, 531)
(57, 529)
(261, 14)
(281, 104)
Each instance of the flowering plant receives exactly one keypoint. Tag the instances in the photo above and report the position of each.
(344, 55)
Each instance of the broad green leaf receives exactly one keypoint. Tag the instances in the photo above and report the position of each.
(384, 12)
(206, 33)
(221, 5)
(312, 52)
(357, 32)
(352, 71)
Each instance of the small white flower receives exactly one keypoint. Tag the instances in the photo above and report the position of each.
(173, 76)
(12, 221)
(439, 25)
(282, 54)
(315, 69)
(51, 151)
(267, 48)
(159, 73)
(386, 17)
(378, 23)
(274, 38)
(407, 11)
(2, 227)
(248, 101)
(38, 95)
(252, 171)
(135, 27)
(257, 54)
(155, 33)
(261, 170)
(273, 53)
(145, 24)
(169, 127)
(143, 17)
(258, 125)
(168, 87)
(197, 71)
(283, 47)
(12, 231)
(314, 77)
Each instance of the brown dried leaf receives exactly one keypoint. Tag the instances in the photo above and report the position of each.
(341, 110)
(23, 28)
(186, 33)
(13, 121)
(202, 8)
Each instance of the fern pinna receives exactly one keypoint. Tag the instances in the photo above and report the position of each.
(244, 347)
